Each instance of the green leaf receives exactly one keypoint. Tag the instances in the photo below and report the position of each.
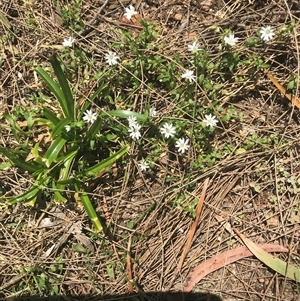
(126, 114)
(67, 101)
(276, 264)
(30, 195)
(54, 88)
(51, 116)
(96, 169)
(58, 197)
(89, 208)
(4, 21)
(54, 150)
(93, 130)
(60, 127)
(21, 163)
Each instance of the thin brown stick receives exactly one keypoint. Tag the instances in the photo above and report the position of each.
(129, 269)
(194, 225)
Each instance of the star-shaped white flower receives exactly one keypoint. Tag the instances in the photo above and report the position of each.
(182, 145)
(132, 121)
(231, 40)
(210, 120)
(67, 128)
(189, 75)
(152, 112)
(89, 116)
(68, 42)
(194, 47)
(144, 165)
(134, 131)
(111, 58)
(168, 130)
(267, 33)
(130, 12)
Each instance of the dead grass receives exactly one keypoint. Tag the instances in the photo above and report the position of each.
(240, 185)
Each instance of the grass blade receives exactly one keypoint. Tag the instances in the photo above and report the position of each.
(96, 169)
(54, 150)
(67, 101)
(89, 209)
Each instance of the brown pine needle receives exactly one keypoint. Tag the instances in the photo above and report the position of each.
(194, 225)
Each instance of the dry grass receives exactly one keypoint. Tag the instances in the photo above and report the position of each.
(240, 189)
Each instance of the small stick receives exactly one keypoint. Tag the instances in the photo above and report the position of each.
(194, 225)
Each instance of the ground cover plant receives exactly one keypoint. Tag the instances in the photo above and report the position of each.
(114, 116)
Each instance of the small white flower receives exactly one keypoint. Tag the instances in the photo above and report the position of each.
(189, 75)
(182, 145)
(210, 120)
(143, 165)
(152, 112)
(111, 58)
(168, 130)
(267, 33)
(130, 12)
(89, 116)
(134, 132)
(231, 40)
(68, 42)
(193, 48)
(132, 121)
(67, 128)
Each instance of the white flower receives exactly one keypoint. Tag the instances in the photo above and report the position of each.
(168, 130)
(67, 128)
(111, 58)
(231, 40)
(182, 145)
(189, 75)
(130, 12)
(143, 165)
(267, 33)
(89, 116)
(210, 120)
(68, 42)
(194, 47)
(132, 121)
(134, 131)
(152, 112)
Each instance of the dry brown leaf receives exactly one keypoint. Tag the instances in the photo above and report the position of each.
(295, 101)
(220, 260)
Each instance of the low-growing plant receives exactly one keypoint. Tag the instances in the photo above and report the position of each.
(68, 144)
(61, 159)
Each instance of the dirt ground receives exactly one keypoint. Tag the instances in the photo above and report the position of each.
(256, 191)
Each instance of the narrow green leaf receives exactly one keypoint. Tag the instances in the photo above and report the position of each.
(93, 130)
(21, 163)
(68, 100)
(126, 114)
(53, 151)
(4, 20)
(51, 116)
(276, 264)
(60, 127)
(96, 169)
(54, 88)
(30, 195)
(89, 208)
(58, 197)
